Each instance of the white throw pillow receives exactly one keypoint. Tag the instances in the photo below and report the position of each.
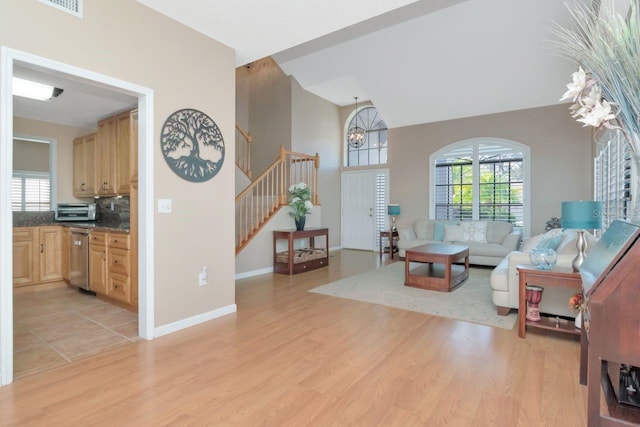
(474, 231)
(453, 233)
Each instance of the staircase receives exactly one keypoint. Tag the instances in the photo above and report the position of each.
(257, 203)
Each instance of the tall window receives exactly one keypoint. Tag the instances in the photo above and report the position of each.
(31, 191)
(612, 177)
(374, 149)
(480, 179)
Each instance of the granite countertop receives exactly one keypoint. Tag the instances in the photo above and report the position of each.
(122, 227)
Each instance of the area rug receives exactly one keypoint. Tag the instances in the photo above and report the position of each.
(470, 302)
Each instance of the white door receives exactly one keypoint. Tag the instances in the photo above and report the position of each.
(359, 210)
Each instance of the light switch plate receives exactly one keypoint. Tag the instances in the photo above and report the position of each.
(164, 206)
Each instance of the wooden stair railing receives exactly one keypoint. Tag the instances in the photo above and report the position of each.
(243, 151)
(257, 203)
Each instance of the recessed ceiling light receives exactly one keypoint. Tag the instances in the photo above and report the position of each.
(33, 90)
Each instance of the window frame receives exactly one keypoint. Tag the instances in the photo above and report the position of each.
(53, 163)
(473, 144)
(369, 130)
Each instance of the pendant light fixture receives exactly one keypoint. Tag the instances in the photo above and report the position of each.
(356, 135)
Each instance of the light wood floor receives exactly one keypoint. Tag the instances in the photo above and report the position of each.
(291, 358)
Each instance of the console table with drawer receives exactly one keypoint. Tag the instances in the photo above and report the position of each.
(310, 257)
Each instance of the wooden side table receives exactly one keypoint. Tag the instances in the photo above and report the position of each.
(393, 248)
(298, 261)
(565, 277)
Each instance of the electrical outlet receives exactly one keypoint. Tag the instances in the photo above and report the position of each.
(202, 276)
(111, 206)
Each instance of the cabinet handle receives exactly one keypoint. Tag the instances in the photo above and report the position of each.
(115, 286)
(82, 186)
(115, 261)
(41, 248)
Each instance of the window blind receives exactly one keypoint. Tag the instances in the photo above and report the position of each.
(30, 191)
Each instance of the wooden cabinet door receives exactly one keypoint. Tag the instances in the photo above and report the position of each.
(23, 251)
(98, 269)
(50, 254)
(84, 166)
(123, 153)
(106, 169)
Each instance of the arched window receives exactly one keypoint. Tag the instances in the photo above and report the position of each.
(374, 149)
(481, 179)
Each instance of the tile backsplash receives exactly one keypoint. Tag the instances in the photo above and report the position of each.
(119, 213)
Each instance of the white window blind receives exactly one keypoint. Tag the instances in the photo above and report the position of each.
(480, 180)
(612, 176)
(31, 191)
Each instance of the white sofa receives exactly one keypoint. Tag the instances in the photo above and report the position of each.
(489, 241)
(555, 300)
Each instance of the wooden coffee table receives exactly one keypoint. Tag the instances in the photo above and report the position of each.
(439, 272)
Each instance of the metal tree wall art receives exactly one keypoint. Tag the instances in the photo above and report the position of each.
(192, 145)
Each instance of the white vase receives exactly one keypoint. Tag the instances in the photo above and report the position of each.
(579, 320)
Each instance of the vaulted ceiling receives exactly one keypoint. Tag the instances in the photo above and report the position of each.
(417, 61)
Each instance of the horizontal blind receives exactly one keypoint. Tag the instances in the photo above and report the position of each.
(31, 191)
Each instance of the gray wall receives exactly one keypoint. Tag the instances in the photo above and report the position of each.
(269, 112)
(561, 158)
(316, 129)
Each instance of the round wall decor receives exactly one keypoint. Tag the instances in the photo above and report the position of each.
(192, 145)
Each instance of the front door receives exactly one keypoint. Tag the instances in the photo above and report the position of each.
(359, 210)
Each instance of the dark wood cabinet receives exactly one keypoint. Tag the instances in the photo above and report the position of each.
(309, 257)
(613, 339)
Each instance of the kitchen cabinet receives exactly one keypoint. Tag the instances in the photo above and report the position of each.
(23, 244)
(124, 133)
(84, 161)
(106, 158)
(102, 161)
(110, 266)
(119, 284)
(98, 262)
(37, 255)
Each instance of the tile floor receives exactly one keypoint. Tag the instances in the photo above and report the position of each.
(58, 326)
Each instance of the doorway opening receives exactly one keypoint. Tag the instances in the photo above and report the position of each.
(10, 58)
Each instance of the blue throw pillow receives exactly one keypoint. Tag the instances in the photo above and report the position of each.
(438, 231)
(549, 243)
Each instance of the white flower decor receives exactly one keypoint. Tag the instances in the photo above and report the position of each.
(300, 200)
(590, 108)
(606, 88)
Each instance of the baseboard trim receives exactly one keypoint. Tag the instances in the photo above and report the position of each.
(335, 248)
(254, 273)
(195, 320)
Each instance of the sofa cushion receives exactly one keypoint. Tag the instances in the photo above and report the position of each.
(497, 230)
(474, 231)
(438, 228)
(423, 229)
(453, 233)
(406, 234)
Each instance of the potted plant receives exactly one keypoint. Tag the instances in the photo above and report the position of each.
(300, 202)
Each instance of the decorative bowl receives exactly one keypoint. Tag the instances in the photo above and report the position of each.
(543, 258)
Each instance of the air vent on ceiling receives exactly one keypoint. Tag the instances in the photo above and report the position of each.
(73, 7)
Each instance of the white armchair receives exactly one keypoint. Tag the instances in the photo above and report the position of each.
(555, 300)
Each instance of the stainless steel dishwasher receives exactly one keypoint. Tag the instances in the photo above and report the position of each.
(79, 258)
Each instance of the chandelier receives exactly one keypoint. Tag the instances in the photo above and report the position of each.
(356, 135)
